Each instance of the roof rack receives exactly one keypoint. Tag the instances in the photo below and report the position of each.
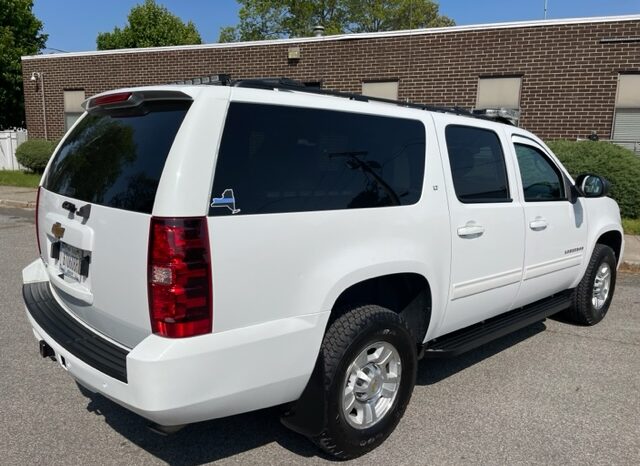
(292, 85)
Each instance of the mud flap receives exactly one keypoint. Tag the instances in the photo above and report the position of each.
(308, 415)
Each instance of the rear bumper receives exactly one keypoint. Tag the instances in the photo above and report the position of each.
(70, 334)
(179, 381)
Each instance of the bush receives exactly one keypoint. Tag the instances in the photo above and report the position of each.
(618, 165)
(35, 153)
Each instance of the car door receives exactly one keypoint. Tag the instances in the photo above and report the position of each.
(487, 224)
(556, 230)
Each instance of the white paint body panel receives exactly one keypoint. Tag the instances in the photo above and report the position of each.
(174, 382)
(486, 270)
(186, 181)
(276, 277)
(113, 299)
(549, 267)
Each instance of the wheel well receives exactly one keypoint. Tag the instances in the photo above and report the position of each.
(613, 239)
(408, 294)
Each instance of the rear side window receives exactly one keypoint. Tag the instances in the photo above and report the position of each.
(115, 158)
(477, 164)
(287, 159)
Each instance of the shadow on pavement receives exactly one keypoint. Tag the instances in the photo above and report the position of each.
(202, 442)
(209, 441)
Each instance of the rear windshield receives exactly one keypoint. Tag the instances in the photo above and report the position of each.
(286, 159)
(115, 158)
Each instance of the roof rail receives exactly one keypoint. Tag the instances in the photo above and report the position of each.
(292, 85)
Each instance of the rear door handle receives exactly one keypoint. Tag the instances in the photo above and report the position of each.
(538, 224)
(471, 229)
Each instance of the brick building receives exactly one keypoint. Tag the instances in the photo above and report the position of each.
(566, 77)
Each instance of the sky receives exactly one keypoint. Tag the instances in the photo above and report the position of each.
(73, 25)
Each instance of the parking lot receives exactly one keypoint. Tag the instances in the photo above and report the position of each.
(551, 393)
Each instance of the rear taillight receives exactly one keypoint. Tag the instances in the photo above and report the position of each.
(180, 301)
(37, 229)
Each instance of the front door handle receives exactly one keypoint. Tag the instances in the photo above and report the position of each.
(470, 230)
(538, 224)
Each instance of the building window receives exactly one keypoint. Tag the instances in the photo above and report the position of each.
(626, 123)
(494, 93)
(382, 89)
(72, 107)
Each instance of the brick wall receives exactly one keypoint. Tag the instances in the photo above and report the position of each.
(569, 76)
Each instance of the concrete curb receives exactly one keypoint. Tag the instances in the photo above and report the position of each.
(18, 204)
(630, 266)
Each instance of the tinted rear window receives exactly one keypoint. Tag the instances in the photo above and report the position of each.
(287, 159)
(115, 159)
(477, 164)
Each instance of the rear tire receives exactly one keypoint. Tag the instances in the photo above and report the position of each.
(369, 373)
(592, 297)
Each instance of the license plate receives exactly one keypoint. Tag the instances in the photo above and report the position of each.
(70, 261)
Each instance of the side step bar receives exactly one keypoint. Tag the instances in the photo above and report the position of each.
(466, 339)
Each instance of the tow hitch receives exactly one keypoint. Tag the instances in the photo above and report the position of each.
(46, 351)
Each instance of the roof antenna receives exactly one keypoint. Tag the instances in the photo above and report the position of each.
(545, 9)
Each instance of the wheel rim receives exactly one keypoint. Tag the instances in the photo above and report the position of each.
(371, 385)
(601, 286)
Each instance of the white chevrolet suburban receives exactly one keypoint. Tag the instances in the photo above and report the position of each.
(216, 249)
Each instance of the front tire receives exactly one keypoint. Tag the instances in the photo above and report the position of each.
(592, 297)
(369, 373)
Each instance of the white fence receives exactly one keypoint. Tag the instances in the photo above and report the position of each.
(9, 142)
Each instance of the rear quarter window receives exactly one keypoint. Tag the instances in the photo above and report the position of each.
(287, 159)
(115, 158)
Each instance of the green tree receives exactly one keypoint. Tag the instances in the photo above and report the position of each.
(381, 15)
(149, 25)
(275, 19)
(20, 34)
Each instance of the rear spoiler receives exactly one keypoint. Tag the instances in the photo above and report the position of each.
(131, 99)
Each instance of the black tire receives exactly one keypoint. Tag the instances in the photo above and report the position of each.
(583, 311)
(346, 338)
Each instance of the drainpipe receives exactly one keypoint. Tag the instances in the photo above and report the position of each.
(44, 107)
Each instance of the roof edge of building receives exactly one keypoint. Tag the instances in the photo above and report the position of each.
(338, 37)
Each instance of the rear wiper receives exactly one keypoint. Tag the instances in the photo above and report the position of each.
(367, 168)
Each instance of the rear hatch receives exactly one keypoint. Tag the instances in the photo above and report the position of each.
(95, 207)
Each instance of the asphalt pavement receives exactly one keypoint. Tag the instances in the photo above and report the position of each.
(552, 393)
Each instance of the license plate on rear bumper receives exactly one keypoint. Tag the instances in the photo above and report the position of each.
(70, 262)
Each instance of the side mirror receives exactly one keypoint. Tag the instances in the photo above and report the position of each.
(592, 185)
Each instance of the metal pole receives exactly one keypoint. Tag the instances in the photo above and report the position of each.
(44, 107)
(545, 9)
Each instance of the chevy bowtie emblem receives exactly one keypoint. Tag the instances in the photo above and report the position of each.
(57, 230)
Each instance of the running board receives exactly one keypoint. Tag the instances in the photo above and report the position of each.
(466, 339)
